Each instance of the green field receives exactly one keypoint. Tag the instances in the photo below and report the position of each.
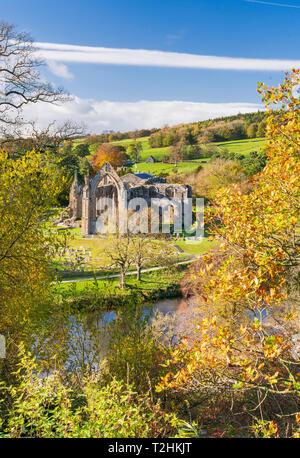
(196, 248)
(241, 146)
(149, 281)
(107, 295)
(237, 146)
(98, 248)
(147, 151)
(159, 167)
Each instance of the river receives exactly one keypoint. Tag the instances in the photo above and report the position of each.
(170, 319)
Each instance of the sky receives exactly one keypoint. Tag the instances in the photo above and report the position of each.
(135, 64)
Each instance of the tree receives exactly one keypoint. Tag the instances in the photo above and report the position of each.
(189, 137)
(193, 152)
(178, 151)
(254, 163)
(234, 130)
(216, 175)
(84, 167)
(256, 270)
(120, 253)
(252, 130)
(82, 150)
(47, 139)
(260, 227)
(20, 81)
(134, 150)
(139, 250)
(107, 152)
(251, 164)
(261, 130)
(147, 252)
(28, 190)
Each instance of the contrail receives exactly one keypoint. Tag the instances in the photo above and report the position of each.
(272, 4)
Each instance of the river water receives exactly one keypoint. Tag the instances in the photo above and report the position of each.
(174, 306)
(170, 320)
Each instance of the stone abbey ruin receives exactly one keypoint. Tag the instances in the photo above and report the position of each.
(86, 199)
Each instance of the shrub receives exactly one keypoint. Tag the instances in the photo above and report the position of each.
(134, 354)
(43, 407)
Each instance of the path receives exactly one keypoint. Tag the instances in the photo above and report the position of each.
(150, 269)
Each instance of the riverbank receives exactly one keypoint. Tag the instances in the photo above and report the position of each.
(106, 294)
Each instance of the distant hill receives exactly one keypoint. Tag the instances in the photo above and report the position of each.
(185, 147)
(235, 127)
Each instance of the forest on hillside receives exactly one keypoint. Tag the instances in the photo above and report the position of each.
(235, 127)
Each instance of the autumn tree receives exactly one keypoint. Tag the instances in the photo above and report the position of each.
(178, 151)
(255, 272)
(261, 226)
(107, 152)
(252, 130)
(28, 190)
(216, 175)
(261, 129)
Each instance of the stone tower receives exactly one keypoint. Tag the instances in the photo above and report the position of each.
(86, 217)
(75, 203)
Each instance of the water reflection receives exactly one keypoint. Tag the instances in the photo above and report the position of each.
(178, 307)
(170, 320)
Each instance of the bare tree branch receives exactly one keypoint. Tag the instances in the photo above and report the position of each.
(49, 138)
(20, 81)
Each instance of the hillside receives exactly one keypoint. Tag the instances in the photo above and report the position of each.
(254, 119)
(240, 138)
(236, 146)
(156, 142)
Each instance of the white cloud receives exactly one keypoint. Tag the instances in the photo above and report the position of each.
(107, 115)
(59, 69)
(142, 57)
(285, 5)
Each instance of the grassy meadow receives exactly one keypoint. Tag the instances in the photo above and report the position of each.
(149, 281)
(196, 248)
(147, 151)
(236, 146)
(169, 169)
(242, 146)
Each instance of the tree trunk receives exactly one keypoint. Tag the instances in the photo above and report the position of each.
(138, 275)
(123, 280)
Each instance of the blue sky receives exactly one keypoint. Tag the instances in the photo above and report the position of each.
(219, 28)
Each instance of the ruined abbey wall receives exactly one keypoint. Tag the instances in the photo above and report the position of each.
(85, 199)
